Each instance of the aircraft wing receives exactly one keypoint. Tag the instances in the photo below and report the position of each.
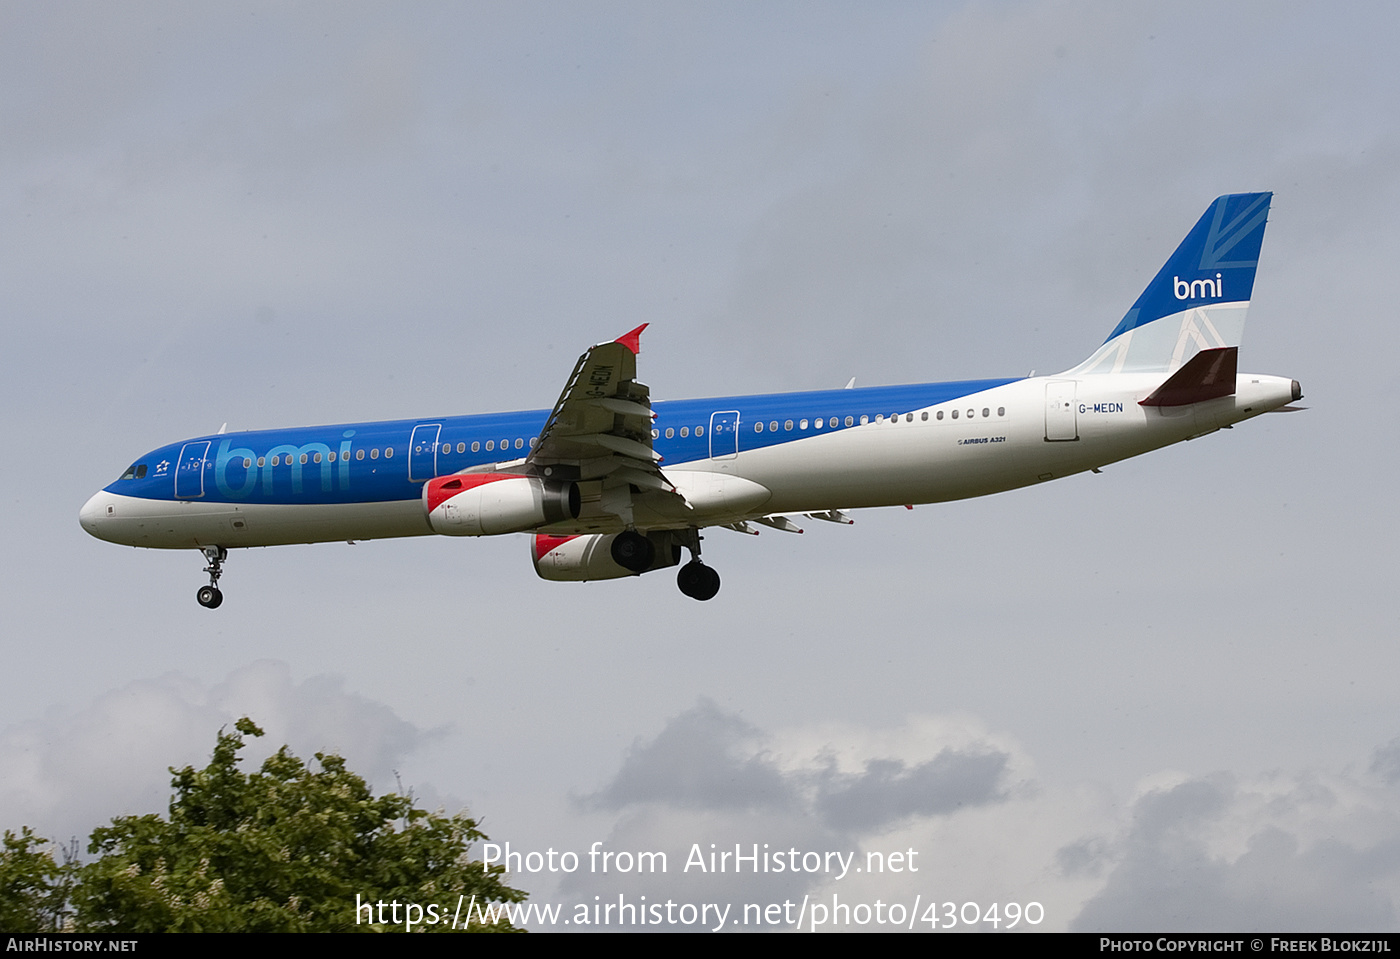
(599, 433)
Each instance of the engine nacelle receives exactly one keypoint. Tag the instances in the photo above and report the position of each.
(485, 504)
(576, 559)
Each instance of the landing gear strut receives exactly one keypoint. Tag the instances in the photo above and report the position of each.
(211, 596)
(695, 579)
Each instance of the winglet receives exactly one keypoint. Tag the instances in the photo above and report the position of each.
(633, 340)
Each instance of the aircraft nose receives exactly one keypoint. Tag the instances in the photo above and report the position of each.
(94, 511)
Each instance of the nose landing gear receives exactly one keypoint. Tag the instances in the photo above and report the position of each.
(211, 596)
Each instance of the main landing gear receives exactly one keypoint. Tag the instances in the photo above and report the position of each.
(637, 553)
(211, 596)
(695, 579)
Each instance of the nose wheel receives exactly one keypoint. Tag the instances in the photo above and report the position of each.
(211, 596)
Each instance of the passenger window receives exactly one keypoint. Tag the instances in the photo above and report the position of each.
(490, 445)
(476, 446)
(879, 418)
(359, 454)
(802, 424)
(247, 463)
(519, 443)
(758, 427)
(533, 441)
(699, 431)
(863, 420)
(315, 459)
(922, 416)
(773, 425)
(685, 431)
(303, 459)
(373, 454)
(787, 425)
(670, 433)
(388, 452)
(1001, 411)
(986, 412)
(955, 414)
(850, 421)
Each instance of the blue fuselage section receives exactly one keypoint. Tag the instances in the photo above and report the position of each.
(389, 461)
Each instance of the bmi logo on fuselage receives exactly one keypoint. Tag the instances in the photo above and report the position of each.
(1196, 289)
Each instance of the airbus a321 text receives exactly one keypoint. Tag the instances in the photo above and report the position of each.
(610, 484)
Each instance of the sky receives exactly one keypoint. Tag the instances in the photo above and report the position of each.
(1157, 698)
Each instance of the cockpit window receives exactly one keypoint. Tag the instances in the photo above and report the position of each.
(141, 471)
(130, 473)
(135, 471)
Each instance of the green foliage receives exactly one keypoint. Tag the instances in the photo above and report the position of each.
(33, 887)
(285, 849)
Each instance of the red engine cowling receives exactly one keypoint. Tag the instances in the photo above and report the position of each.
(579, 558)
(485, 504)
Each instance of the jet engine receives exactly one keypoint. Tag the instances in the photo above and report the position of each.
(484, 504)
(591, 556)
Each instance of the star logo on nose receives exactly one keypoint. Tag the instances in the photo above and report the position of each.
(162, 466)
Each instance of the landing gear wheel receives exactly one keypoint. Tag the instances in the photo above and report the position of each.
(210, 596)
(633, 551)
(698, 581)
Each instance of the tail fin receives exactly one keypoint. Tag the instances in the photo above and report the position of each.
(1198, 300)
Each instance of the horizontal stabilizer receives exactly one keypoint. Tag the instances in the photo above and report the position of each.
(1208, 375)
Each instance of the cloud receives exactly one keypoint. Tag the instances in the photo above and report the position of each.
(68, 773)
(1297, 850)
(705, 759)
(889, 790)
(1283, 853)
(702, 759)
(805, 805)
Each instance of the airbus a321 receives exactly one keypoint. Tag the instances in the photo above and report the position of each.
(610, 484)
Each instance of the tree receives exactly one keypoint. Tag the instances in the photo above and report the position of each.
(285, 849)
(33, 887)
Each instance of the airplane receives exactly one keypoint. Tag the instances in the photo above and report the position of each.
(610, 484)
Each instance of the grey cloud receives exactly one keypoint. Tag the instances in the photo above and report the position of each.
(702, 759)
(706, 759)
(66, 774)
(889, 790)
(712, 782)
(1385, 762)
(1173, 872)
